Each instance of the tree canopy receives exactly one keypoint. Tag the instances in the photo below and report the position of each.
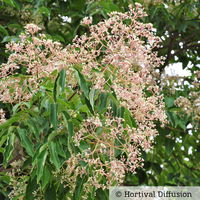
(40, 132)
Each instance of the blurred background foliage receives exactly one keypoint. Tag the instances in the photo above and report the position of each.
(175, 158)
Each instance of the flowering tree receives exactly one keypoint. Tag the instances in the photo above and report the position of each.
(77, 118)
(80, 114)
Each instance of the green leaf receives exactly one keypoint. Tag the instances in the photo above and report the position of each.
(27, 163)
(55, 88)
(54, 155)
(52, 135)
(53, 115)
(142, 176)
(9, 146)
(3, 31)
(26, 142)
(61, 150)
(92, 193)
(169, 144)
(156, 167)
(117, 151)
(46, 177)
(50, 193)
(10, 121)
(182, 124)
(114, 107)
(84, 145)
(3, 139)
(78, 5)
(33, 127)
(102, 102)
(102, 194)
(58, 38)
(87, 102)
(5, 179)
(62, 192)
(70, 128)
(109, 6)
(120, 112)
(169, 101)
(9, 39)
(66, 115)
(62, 79)
(12, 3)
(15, 26)
(184, 60)
(91, 97)
(41, 159)
(82, 83)
(45, 11)
(31, 187)
(17, 106)
(129, 119)
(79, 187)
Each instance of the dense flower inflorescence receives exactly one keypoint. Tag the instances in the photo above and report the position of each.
(116, 57)
(122, 47)
(109, 135)
(86, 21)
(34, 57)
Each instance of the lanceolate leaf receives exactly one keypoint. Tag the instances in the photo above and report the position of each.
(53, 115)
(129, 119)
(120, 112)
(12, 3)
(52, 135)
(54, 155)
(62, 79)
(91, 97)
(46, 177)
(3, 31)
(102, 102)
(31, 187)
(39, 150)
(61, 150)
(9, 146)
(114, 107)
(79, 187)
(22, 115)
(26, 142)
(55, 89)
(70, 134)
(87, 102)
(70, 128)
(83, 84)
(45, 11)
(50, 193)
(41, 159)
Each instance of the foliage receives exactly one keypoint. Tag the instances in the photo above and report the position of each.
(71, 145)
(40, 130)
